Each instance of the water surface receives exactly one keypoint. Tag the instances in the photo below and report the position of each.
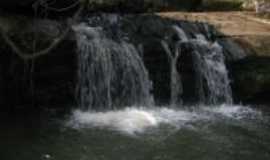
(137, 133)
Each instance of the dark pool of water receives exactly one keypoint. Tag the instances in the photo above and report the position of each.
(220, 133)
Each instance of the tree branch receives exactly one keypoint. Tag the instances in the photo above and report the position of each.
(44, 4)
(55, 42)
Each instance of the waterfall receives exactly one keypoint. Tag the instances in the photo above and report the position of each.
(212, 76)
(213, 84)
(173, 55)
(176, 84)
(110, 73)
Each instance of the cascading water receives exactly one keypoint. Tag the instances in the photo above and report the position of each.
(176, 82)
(213, 85)
(212, 75)
(110, 73)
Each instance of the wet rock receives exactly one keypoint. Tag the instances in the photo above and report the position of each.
(254, 45)
(232, 50)
(149, 31)
(251, 80)
(260, 6)
(51, 79)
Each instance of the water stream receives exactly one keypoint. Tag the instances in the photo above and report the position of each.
(212, 75)
(111, 73)
(221, 132)
(212, 81)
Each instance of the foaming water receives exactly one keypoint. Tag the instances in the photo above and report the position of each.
(135, 120)
(234, 112)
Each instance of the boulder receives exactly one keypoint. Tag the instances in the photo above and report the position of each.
(251, 80)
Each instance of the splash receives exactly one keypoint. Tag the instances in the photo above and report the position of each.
(138, 120)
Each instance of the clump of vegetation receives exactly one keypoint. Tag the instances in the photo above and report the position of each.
(222, 5)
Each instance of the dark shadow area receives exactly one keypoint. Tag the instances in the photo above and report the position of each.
(64, 8)
(251, 80)
(221, 5)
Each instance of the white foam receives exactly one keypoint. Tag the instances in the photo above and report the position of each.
(234, 111)
(137, 120)
(131, 120)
